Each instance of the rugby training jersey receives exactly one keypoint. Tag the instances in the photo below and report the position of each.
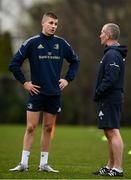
(45, 55)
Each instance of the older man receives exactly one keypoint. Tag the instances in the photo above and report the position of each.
(109, 96)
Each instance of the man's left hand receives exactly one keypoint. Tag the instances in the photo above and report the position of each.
(63, 83)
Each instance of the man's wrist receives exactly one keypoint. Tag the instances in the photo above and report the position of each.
(67, 80)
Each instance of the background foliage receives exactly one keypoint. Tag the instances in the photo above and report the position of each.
(80, 23)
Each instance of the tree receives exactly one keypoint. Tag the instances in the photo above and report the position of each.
(5, 53)
(80, 23)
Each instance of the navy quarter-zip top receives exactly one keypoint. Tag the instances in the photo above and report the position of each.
(110, 79)
(45, 55)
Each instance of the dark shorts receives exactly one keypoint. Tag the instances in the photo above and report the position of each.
(109, 115)
(40, 102)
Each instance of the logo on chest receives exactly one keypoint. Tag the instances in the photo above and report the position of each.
(56, 46)
(40, 46)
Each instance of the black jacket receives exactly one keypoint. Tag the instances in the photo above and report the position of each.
(110, 80)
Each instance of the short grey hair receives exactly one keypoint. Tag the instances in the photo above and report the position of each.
(112, 30)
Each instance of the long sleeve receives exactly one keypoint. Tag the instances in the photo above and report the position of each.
(73, 61)
(16, 63)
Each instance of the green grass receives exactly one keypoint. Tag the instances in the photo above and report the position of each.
(75, 151)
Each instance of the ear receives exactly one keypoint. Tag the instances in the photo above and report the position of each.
(42, 23)
(107, 36)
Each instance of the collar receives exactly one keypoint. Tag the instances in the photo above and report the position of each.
(44, 36)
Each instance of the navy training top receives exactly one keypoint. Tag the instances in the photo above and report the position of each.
(110, 79)
(45, 55)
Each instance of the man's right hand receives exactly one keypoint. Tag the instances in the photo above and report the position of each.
(33, 89)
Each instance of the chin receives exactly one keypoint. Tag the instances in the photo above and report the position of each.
(52, 33)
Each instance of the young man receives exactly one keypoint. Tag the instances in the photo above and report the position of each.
(109, 96)
(45, 53)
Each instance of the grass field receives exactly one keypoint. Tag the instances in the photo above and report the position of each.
(75, 151)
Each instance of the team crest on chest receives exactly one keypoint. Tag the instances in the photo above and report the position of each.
(56, 46)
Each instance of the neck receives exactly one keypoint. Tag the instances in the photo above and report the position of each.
(112, 42)
(46, 34)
